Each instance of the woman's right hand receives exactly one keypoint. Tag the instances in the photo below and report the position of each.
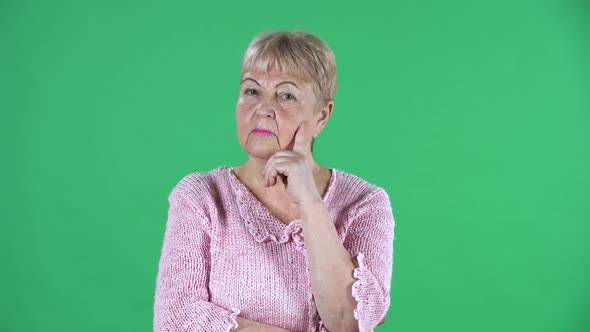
(247, 325)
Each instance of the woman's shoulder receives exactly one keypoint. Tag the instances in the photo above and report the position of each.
(199, 185)
(364, 197)
(353, 188)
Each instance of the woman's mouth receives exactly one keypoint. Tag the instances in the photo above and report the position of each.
(261, 132)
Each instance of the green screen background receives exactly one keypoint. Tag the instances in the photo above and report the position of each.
(474, 116)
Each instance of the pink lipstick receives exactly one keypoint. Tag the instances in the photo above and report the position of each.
(261, 132)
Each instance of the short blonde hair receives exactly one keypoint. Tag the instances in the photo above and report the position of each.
(297, 53)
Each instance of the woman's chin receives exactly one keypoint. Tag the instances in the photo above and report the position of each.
(263, 151)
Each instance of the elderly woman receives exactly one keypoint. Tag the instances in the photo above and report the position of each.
(280, 242)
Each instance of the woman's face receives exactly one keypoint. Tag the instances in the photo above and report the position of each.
(277, 102)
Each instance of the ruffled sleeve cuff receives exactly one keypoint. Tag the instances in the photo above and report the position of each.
(232, 317)
(372, 302)
(321, 327)
(202, 316)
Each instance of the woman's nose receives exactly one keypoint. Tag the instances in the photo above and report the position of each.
(266, 107)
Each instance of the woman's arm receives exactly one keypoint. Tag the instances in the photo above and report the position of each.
(181, 301)
(182, 296)
(330, 266)
(351, 280)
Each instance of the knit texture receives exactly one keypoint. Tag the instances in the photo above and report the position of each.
(224, 255)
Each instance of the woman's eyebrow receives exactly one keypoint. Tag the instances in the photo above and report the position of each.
(290, 82)
(251, 79)
(283, 82)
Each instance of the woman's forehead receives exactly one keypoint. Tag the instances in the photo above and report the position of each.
(274, 74)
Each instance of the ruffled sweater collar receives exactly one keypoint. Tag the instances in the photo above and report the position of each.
(261, 224)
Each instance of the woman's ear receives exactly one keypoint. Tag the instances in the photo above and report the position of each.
(322, 117)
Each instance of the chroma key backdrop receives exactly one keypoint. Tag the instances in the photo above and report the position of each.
(474, 116)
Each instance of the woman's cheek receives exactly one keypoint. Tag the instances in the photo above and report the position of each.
(288, 105)
(242, 123)
(248, 101)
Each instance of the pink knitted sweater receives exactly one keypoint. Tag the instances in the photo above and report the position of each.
(225, 255)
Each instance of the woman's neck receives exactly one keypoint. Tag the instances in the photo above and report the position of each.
(250, 174)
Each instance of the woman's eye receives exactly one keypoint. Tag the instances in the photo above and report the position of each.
(289, 96)
(250, 91)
